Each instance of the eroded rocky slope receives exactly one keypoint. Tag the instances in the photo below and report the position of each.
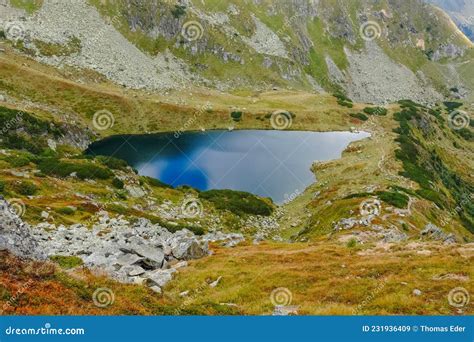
(312, 45)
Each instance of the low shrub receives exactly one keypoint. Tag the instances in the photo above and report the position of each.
(83, 170)
(351, 243)
(236, 115)
(360, 116)
(451, 105)
(174, 228)
(238, 202)
(396, 199)
(112, 163)
(375, 111)
(65, 211)
(343, 100)
(154, 182)
(25, 188)
(117, 183)
(66, 262)
(18, 161)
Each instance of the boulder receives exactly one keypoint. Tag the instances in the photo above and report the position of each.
(185, 245)
(16, 236)
(134, 270)
(433, 232)
(159, 277)
(153, 257)
(127, 259)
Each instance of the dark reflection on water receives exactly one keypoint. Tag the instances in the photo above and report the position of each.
(273, 164)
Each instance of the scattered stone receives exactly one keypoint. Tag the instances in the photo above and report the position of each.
(215, 282)
(417, 292)
(156, 289)
(433, 232)
(282, 310)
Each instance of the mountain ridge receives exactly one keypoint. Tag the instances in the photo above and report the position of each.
(298, 45)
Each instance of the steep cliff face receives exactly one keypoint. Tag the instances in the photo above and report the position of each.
(311, 45)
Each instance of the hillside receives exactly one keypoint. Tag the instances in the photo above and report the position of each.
(391, 220)
(314, 46)
(461, 11)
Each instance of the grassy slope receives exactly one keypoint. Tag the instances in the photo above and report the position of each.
(324, 278)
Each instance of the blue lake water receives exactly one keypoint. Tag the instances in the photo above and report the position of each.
(273, 164)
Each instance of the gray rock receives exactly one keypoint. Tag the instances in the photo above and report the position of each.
(152, 256)
(156, 289)
(215, 282)
(128, 259)
(433, 232)
(159, 277)
(15, 235)
(285, 310)
(184, 245)
(135, 271)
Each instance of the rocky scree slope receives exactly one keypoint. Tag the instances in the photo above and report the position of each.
(140, 253)
(310, 45)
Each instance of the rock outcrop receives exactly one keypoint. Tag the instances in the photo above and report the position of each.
(16, 235)
(139, 252)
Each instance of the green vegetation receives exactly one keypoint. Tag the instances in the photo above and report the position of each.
(424, 165)
(450, 106)
(18, 161)
(154, 182)
(238, 202)
(83, 170)
(65, 211)
(236, 115)
(25, 188)
(466, 134)
(375, 111)
(360, 116)
(67, 262)
(343, 100)
(2, 186)
(117, 183)
(396, 199)
(113, 163)
(23, 131)
(178, 11)
(351, 243)
(54, 49)
(30, 6)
